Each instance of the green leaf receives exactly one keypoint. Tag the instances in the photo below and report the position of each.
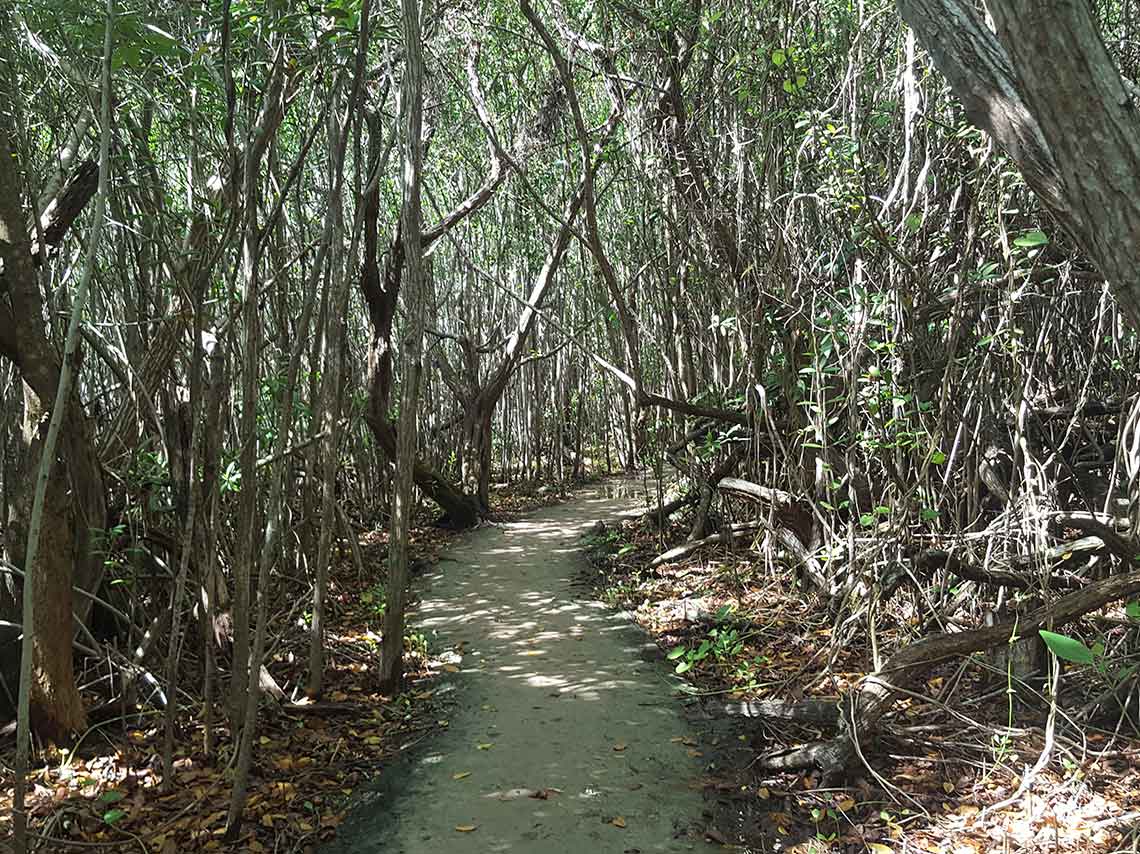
(1031, 239)
(1132, 609)
(928, 515)
(788, 87)
(801, 81)
(675, 653)
(779, 57)
(866, 520)
(683, 667)
(1067, 648)
(938, 458)
(111, 797)
(913, 222)
(111, 816)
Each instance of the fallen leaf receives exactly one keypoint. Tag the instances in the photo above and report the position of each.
(466, 828)
(618, 821)
(619, 747)
(460, 775)
(846, 806)
(486, 745)
(451, 668)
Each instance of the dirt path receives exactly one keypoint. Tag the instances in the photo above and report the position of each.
(552, 693)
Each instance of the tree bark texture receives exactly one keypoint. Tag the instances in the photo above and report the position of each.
(1045, 88)
(75, 507)
(412, 345)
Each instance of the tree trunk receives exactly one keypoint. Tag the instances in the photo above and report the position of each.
(476, 456)
(75, 509)
(56, 708)
(1052, 98)
(459, 510)
(392, 648)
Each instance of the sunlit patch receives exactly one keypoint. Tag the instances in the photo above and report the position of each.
(537, 680)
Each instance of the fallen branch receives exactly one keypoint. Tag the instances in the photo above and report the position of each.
(755, 491)
(1090, 525)
(658, 517)
(819, 711)
(932, 560)
(862, 709)
(686, 549)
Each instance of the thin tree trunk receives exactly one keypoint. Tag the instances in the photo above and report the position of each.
(331, 379)
(392, 648)
(274, 522)
(192, 495)
(34, 573)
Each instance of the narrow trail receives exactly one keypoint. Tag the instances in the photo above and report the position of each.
(552, 693)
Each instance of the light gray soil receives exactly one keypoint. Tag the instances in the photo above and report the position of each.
(551, 694)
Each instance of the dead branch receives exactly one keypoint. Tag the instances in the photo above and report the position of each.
(686, 549)
(932, 560)
(862, 709)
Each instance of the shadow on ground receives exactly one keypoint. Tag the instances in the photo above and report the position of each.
(550, 698)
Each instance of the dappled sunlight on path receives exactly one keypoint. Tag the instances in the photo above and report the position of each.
(551, 695)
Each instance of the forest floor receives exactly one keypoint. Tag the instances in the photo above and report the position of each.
(739, 630)
(539, 719)
(105, 791)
